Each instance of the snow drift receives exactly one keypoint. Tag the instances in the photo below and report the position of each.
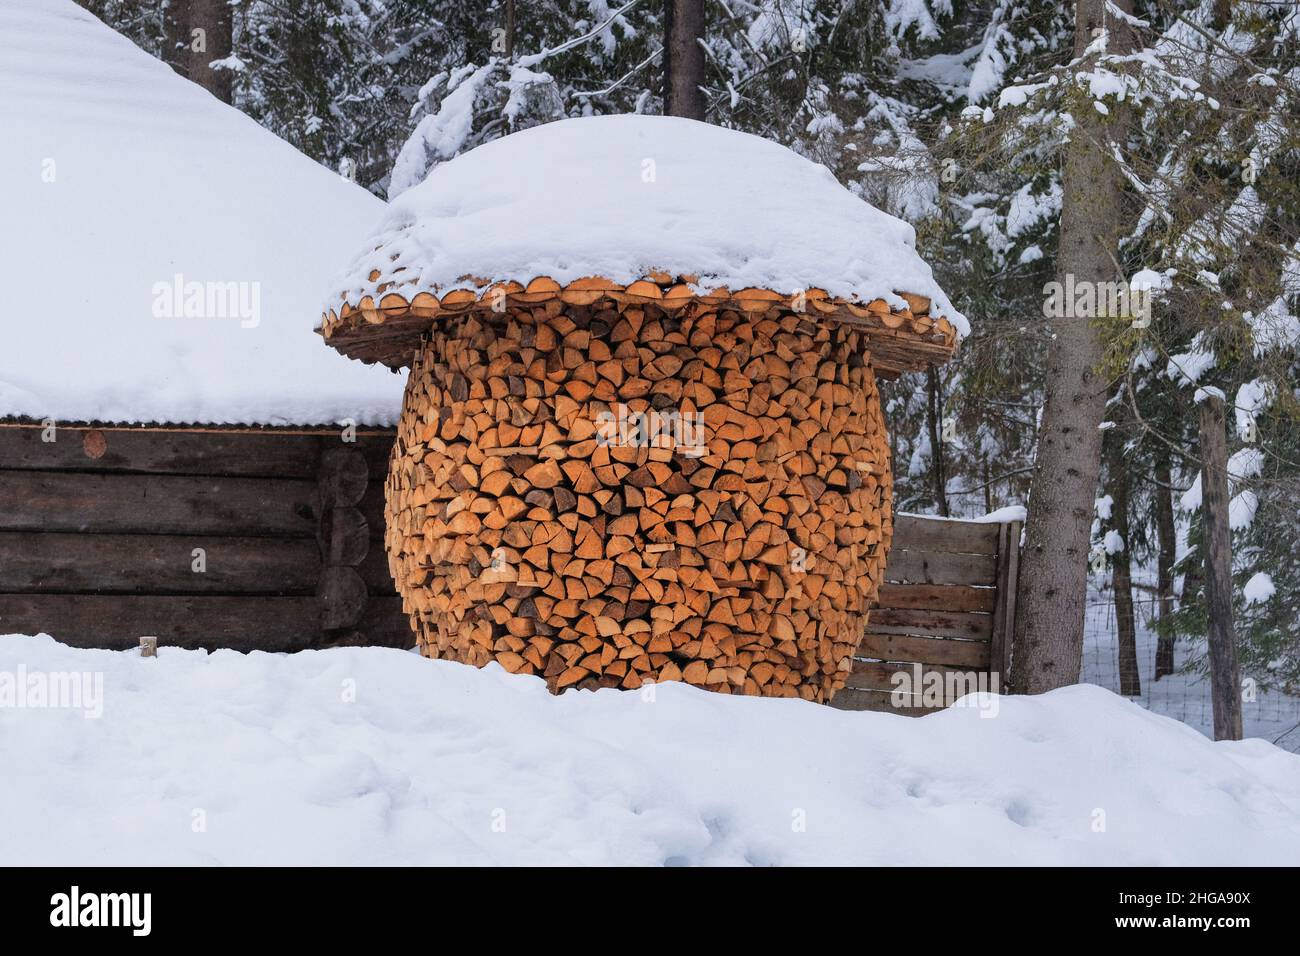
(374, 756)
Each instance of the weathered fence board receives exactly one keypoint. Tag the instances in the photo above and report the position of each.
(937, 597)
(922, 533)
(948, 606)
(930, 650)
(1004, 612)
(879, 675)
(970, 626)
(940, 567)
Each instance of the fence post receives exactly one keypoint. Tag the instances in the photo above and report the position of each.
(1004, 608)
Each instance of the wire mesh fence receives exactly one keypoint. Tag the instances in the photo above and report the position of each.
(1185, 694)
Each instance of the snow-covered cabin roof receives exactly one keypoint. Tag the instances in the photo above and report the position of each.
(117, 177)
(602, 203)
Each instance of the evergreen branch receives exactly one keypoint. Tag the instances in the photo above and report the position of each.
(622, 79)
(535, 58)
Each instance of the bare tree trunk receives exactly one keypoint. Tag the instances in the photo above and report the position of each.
(1225, 677)
(988, 487)
(196, 32)
(934, 425)
(1121, 574)
(1053, 579)
(684, 58)
(510, 29)
(1166, 551)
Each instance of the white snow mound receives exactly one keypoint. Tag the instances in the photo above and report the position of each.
(620, 196)
(116, 177)
(226, 758)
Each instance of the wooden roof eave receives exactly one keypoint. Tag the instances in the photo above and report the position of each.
(389, 331)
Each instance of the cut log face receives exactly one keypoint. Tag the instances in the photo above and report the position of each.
(389, 326)
(608, 492)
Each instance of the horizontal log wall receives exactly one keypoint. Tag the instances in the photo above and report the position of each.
(99, 529)
(252, 540)
(945, 615)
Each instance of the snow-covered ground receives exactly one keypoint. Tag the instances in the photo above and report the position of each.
(1273, 716)
(370, 756)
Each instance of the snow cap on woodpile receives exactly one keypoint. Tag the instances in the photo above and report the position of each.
(657, 208)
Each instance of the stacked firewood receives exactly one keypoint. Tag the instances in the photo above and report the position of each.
(605, 491)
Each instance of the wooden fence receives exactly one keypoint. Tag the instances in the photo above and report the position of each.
(273, 540)
(946, 614)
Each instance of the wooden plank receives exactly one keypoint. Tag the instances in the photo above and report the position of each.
(926, 650)
(849, 698)
(937, 567)
(975, 627)
(118, 621)
(1002, 659)
(937, 597)
(874, 675)
(253, 453)
(156, 564)
(160, 504)
(999, 639)
(923, 533)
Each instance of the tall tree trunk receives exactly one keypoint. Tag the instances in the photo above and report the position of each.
(684, 58)
(934, 425)
(1121, 572)
(1225, 677)
(1166, 551)
(196, 32)
(1054, 566)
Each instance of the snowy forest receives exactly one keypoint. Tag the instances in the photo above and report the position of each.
(1007, 139)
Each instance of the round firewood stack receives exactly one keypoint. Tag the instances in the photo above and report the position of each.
(610, 483)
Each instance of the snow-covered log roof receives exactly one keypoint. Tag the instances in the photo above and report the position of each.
(635, 205)
(162, 254)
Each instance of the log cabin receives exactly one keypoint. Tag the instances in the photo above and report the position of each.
(175, 460)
